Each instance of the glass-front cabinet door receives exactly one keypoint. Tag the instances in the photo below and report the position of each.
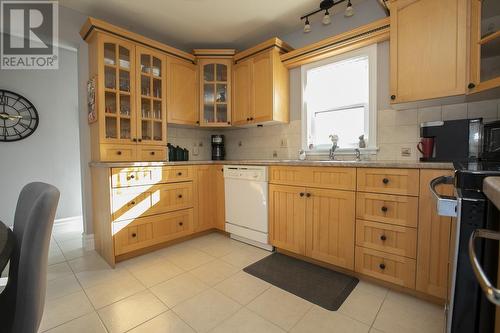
(215, 106)
(151, 102)
(485, 45)
(116, 79)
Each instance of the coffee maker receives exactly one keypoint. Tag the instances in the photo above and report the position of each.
(218, 152)
(452, 140)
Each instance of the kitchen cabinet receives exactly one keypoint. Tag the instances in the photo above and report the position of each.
(484, 46)
(428, 43)
(205, 213)
(215, 92)
(182, 101)
(261, 85)
(330, 226)
(220, 207)
(434, 233)
(317, 223)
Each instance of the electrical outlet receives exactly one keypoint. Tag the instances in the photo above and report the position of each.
(275, 154)
(406, 152)
(284, 143)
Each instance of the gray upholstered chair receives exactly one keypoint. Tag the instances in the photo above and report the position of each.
(22, 301)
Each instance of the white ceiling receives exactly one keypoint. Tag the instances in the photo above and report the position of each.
(203, 23)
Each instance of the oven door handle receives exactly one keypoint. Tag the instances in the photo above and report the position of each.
(445, 205)
(492, 293)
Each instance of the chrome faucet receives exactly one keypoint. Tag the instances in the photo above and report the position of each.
(357, 153)
(335, 140)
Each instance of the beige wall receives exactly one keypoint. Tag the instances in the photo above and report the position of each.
(196, 140)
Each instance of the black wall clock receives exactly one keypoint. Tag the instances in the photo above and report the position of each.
(18, 117)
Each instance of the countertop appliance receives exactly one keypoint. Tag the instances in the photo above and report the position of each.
(246, 204)
(454, 140)
(218, 150)
(468, 309)
(491, 141)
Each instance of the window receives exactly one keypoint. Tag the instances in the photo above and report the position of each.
(339, 98)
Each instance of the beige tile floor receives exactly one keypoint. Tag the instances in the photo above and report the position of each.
(198, 286)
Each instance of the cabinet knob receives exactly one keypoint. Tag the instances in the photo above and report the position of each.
(382, 266)
(179, 196)
(118, 152)
(308, 195)
(132, 203)
(140, 140)
(179, 173)
(181, 224)
(383, 238)
(134, 140)
(134, 234)
(229, 123)
(471, 86)
(197, 121)
(251, 118)
(385, 180)
(384, 209)
(393, 97)
(130, 177)
(152, 153)
(301, 194)
(248, 119)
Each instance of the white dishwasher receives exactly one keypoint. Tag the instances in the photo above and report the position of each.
(246, 204)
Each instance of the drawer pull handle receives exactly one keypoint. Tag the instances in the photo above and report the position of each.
(382, 266)
(383, 238)
(132, 203)
(134, 234)
(180, 196)
(301, 194)
(130, 177)
(385, 180)
(308, 195)
(152, 153)
(181, 224)
(140, 140)
(118, 152)
(384, 209)
(179, 173)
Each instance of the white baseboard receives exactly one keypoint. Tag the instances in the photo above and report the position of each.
(88, 242)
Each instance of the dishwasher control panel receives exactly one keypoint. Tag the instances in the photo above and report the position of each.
(246, 172)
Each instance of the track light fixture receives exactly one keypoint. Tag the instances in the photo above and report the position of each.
(325, 5)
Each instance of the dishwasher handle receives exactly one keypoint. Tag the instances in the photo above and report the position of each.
(446, 205)
(492, 293)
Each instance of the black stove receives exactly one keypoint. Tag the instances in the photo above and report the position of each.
(469, 175)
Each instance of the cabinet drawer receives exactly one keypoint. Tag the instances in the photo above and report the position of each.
(392, 209)
(114, 153)
(388, 267)
(388, 238)
(324, 177)
(152, 153)
(139, 201)
(131, 235)
(391, 181)
(134, 176)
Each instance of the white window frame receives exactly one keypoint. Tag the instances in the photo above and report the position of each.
(371, 148)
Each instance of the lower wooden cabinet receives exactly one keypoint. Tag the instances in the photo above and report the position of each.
(220, 206)
(131, 235)
(318, 223)
(205, 202)
(384, 266)
(434, 233)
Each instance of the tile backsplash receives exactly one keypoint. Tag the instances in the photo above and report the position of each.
(196, 140)
(396, 131)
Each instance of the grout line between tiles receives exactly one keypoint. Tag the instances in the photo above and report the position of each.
(380, 308)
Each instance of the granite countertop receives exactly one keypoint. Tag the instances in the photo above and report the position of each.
(352, 164)
(491, 188)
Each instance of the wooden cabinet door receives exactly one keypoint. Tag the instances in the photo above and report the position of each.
(220, 206)
(287, 217)
(262, 82)
(151, 102)
(205, 202)
(182, 97)
(215, 92)
(330, 226)
(116, 90)
(434, 233)
(242, 92)
(428, 49)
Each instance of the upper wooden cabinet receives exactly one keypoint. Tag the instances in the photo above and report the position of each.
(134, 76)
(261, 84)
(215, 67)
(428, 49)
(484, 46)
(182, 85)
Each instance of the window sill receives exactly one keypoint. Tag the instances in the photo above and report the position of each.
(343, 152)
